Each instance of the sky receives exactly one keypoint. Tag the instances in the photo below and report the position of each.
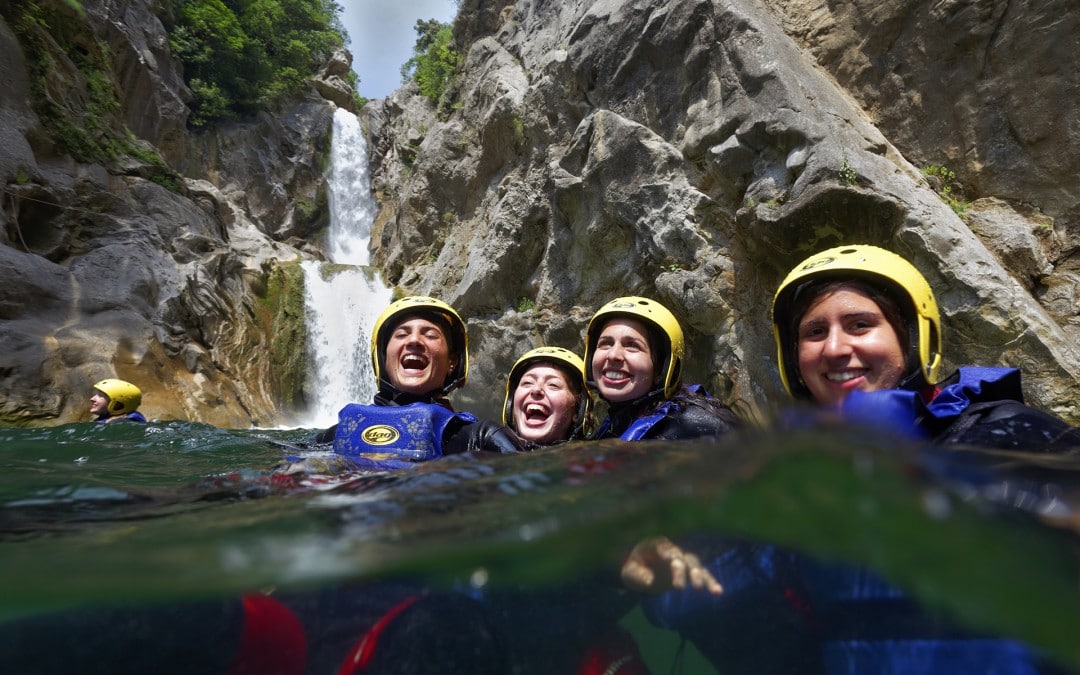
(382, 34)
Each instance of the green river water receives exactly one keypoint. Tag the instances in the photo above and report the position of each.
(155, 514)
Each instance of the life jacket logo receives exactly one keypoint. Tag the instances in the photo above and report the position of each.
(380, 434)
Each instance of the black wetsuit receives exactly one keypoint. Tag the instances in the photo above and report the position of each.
(690, 413)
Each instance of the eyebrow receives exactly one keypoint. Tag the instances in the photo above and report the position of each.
(844, 317)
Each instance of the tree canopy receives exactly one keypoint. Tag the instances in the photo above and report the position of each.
(239, 54)
(434, 59)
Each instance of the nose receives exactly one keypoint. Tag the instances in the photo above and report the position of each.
(836, 344)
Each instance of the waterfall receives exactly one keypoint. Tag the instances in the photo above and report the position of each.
(343, 297)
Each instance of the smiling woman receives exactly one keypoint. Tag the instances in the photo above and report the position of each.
(858, 329)
(419, 353)
(634, 348)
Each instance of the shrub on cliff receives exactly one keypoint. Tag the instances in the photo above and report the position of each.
(240, 54)
(434, 59)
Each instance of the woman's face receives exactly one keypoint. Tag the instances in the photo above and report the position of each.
(417, 356)
(622, 364)
(99, 404)
(846, 344)
(544, 405)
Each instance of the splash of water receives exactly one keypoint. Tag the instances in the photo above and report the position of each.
(344, 297)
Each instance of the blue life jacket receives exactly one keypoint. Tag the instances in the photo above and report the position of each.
(393, 437)
(903, 411)
(134, 416)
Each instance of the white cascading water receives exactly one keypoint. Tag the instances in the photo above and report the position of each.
(343, 297)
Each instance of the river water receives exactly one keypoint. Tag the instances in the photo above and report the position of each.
(92, 516)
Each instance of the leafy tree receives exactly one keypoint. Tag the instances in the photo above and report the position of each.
(434, 59)
(240, 54)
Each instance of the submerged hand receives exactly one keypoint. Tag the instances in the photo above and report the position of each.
(657, 565)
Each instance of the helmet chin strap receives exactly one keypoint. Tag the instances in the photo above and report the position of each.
(445, 390)
(913, 381)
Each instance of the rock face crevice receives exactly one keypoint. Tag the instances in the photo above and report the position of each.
(693, 151)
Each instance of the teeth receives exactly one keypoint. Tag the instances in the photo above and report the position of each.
(535, 410)
(844, 376)
(413, 362)
(613, 374)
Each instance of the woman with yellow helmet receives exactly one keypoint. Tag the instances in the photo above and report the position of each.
(857, 328)
(116, 401)
(419, 354)
(546, 400)
(634, 349)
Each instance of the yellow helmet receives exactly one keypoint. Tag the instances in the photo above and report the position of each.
(124, 397)
(653, 314)
(899, 279)
(434, 310)
(568, 362)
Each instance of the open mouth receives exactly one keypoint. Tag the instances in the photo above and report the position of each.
(414, 362)
(534, 412)
(615, 375)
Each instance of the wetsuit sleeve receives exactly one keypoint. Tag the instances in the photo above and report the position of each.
(763, 621)
(483, 436)
(1010, 425)
(695, 421)
(326, 435)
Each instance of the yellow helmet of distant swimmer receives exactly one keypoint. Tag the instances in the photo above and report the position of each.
(900, 280)
(567, 361)
(434, 310)
(124, 397)
(655, 316)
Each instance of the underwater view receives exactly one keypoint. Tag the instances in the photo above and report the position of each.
(123, 547)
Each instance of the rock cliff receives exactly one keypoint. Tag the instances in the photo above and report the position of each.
(690, 150)
(133, 247)
(695, 150)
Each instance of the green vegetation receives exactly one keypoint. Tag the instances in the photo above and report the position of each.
(519, 133)
(279, 312)
(434, 59)
(848, 173)
(526, 304)
(72, 89)
(239, 55)
(944, 183)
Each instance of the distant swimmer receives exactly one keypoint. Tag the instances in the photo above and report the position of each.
(116, 401)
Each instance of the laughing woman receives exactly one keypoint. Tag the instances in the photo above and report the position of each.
(419, 352)
(547, 401)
